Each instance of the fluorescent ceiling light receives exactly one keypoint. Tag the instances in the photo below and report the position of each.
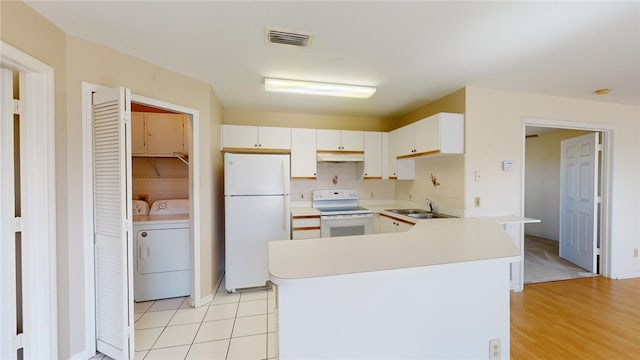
(316, 88)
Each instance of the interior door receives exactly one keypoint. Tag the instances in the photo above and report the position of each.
(578, 200)
(113, 222)
(8, 311)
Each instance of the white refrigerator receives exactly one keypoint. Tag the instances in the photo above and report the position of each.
(256, 196)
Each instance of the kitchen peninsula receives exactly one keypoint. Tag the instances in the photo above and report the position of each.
(440, 290)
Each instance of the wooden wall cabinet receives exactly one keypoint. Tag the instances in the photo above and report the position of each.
(159, 134)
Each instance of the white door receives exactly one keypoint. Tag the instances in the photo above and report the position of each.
(578, 200)
(8, 310)
(112, 222)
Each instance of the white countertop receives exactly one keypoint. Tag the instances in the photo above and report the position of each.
(433, 242)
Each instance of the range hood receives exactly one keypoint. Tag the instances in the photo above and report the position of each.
(340, 157)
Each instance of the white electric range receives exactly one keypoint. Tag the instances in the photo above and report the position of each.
(340, 214)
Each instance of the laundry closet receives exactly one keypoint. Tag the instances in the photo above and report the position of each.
(160, 187)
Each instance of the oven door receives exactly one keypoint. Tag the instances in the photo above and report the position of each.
(346, 225)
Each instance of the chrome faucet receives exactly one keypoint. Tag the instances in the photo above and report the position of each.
(431, 205)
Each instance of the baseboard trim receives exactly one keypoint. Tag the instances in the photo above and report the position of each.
(627, 276)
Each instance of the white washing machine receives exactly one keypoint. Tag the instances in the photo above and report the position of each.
(162, 261)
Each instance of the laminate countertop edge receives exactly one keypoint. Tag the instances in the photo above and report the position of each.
(428, 243)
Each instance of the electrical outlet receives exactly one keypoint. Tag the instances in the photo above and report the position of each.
(635, 252)
(494, 349)
(476, 202)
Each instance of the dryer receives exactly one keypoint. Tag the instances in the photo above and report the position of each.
(162, 259)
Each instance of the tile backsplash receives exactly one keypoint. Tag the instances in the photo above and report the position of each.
(347, 175)
(447, 194)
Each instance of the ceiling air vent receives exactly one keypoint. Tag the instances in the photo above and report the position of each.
(288, 38)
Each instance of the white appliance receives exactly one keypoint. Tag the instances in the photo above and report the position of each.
(161, 244)
(340, 214)
(256, 195)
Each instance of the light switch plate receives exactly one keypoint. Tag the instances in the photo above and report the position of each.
(507, 165)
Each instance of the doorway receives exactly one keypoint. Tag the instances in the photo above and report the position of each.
(542, 199)
(195, 298)
(28, 305)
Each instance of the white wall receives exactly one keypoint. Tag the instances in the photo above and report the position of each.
(494, 132)
(542, 182)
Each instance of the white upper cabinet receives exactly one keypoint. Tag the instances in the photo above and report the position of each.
(441, 133)
(303, 153)
(340, 140)
(158, 134)
(372, 155)
(236, 137)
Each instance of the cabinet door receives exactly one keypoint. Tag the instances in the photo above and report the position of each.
(239, 136)
(303, 153)
(372, 155)
(187, 134)
(274, 138)
(137, 134)
(403, 226)
(451, 133)
(165, 133)
(405, 140)
(392, 172)
(427, 135)
(328, 140)
(386, 225)
(352, 140)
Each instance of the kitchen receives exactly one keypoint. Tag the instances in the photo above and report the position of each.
(490, 110)
(328, 207)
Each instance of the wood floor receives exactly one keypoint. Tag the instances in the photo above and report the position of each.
(590, 318)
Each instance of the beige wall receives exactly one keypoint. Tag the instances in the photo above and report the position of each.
(299, 120)
(542, 182)
(494, 132)
(453, 103)
(27, 31)
(100, 65)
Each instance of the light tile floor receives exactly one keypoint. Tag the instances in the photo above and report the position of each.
(232, 326)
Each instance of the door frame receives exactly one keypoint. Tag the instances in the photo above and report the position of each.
(195, 298)
(38, 190)
(606, 176)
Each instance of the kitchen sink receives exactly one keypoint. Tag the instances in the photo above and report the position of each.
(419, 214)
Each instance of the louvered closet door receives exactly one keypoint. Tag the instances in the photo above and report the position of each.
(112, 222)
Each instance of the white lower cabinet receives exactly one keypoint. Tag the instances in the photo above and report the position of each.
(305, 227)
(389, 224)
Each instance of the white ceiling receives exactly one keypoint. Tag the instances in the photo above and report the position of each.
(414, 52)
